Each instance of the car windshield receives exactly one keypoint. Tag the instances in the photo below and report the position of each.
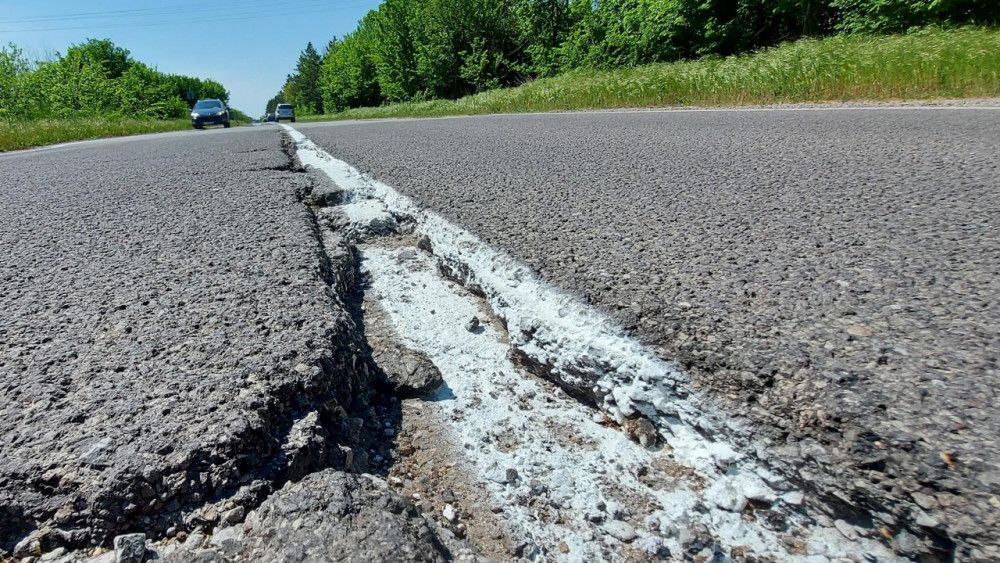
(285, 106)
(208, 104)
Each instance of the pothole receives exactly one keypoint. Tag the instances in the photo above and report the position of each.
(637, 470)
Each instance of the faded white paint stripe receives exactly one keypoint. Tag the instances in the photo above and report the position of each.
(556, 329)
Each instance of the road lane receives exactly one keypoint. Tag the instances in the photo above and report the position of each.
(828, 275)
(831, 275)
(165, 319)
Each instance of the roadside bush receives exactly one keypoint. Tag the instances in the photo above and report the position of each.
(928, 64)
(347, 75)
(13, 66)
(895, 16)
(94, 79)
(414, 50)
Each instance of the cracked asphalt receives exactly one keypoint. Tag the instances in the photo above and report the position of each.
(829, 276)
(164, 319)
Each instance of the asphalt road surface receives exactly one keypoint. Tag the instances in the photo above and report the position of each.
(832, 275)
(165, 322)
(829, 276)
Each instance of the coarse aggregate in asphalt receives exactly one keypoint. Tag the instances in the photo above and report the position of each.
(830, 275)
(166, 318)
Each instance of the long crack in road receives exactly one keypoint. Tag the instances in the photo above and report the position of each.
(600, 492)
(620, 337)
(829, 277)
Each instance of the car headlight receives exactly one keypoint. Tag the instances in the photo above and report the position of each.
(223, 112)
(194, 114)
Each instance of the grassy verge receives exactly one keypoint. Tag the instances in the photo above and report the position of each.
(928, 64)
(50, 131)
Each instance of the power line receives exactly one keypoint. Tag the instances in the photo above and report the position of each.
(152, 17)
(115, 13)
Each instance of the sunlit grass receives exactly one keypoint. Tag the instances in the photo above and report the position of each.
(50, 131)
(924, 65)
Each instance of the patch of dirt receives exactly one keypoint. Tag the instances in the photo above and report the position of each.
(426, 471)
(569, 437)
(665, 469)
(426, 462)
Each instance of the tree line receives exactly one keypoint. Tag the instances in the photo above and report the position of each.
(95, 78)
(411, 50)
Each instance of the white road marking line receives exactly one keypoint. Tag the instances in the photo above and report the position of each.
(556, 329)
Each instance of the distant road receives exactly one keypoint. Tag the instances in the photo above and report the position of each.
(832, 274)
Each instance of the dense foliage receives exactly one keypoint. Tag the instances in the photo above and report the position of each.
(302, 88)
(931, 63)
(95, 78)
(412, 50)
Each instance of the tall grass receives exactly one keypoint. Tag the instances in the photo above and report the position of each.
(927, 64)
(15, 135)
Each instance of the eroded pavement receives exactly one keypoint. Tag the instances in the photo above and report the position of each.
(173, 347)
(825, 275)
(293, 361)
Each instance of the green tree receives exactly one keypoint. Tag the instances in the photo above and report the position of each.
(209, 88)
(463, 46)
(421, 49)
(348, 76)
(94, 78)
(393, 50)
(307, 96)
(142, 91)
(893, 16)
(181, 86)
(99, 53)
(13, 67)
(69, 86)
(272, 104)
(541, 27)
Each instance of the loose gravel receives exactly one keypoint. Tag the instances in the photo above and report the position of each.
(829, 276)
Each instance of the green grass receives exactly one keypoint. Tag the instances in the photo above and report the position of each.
(28, 134)
(925, 65)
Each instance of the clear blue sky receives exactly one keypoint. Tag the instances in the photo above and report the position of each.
(250, 46)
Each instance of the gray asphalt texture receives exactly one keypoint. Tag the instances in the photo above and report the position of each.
(327, 516)
(165, 319)
(829, 276)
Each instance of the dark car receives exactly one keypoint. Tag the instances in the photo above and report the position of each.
(284, 111)
(270, 117)
(209, 112)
